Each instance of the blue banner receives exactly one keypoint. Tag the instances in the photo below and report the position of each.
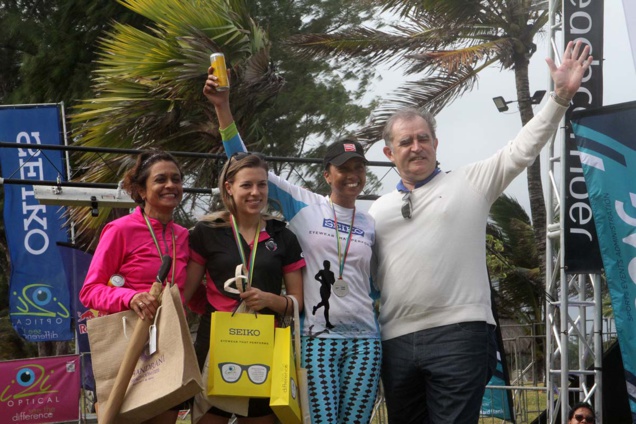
(76, 263)
(606, 139)
(498, 402)
(39, 297)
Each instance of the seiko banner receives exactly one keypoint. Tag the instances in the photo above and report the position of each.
(39, 296)
(582, 20)
(606, 140)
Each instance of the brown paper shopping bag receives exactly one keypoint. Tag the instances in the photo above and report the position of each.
(161, 380)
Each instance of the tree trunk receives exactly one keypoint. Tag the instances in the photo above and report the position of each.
(53, 349)
(535, 192)
(535, 185)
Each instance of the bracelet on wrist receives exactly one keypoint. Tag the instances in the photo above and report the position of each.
(560, 100)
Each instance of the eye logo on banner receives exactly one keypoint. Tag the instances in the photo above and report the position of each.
(40, 389)
(29, 380)
(39, 302)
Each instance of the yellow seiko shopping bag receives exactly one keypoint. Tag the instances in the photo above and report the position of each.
(290, 403)
(285, 396)
(241, 349)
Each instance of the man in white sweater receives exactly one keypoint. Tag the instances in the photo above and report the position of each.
(436, 319)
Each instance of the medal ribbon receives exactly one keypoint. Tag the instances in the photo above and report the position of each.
(342, 258)
(174, 245)
(249, 266)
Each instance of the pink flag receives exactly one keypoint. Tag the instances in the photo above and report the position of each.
(40, 390)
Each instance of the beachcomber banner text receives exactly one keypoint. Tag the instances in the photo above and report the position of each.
(582, 21)
(606, 140)
(39, 297)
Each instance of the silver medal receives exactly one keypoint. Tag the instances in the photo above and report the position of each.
(341, 288)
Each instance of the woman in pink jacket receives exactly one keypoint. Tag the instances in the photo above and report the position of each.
(131, 248)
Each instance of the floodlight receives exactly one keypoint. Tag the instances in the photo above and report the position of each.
(501, 103)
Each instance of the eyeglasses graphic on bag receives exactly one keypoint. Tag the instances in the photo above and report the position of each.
(587, 418)
(406, 206)
(231, 372)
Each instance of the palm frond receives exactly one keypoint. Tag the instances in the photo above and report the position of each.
(370, 45)
(452, 60)
(148, 87)
(515, 228)
(432, 93)
(451, 9)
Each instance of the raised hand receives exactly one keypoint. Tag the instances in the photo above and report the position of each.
(567, 76)
(220, 99)
(216, 97)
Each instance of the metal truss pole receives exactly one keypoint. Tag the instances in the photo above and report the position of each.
(572, 343)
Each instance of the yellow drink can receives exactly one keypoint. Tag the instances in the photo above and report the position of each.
(217, 61)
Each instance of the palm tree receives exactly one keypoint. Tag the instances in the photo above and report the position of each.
(448, 42)
(513, 262)
(148, 88)
(513, 265)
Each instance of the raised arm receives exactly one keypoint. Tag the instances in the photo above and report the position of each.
(232, 141)
(290, 197)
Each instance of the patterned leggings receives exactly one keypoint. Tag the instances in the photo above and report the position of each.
(343, 376)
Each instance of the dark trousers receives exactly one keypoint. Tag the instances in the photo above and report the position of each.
(438, 375)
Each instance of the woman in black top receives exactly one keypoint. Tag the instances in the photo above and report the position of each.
(269, 252)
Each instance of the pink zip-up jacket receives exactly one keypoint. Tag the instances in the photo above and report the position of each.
(127, 248)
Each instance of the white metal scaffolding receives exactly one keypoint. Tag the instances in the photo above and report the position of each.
(574, 345)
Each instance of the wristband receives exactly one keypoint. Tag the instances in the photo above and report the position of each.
(228, 132)
(560, 100)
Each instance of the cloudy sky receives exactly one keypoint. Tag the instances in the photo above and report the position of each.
(472, 129)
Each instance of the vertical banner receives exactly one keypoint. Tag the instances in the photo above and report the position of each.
(607, 144)
(40, 390)
(498, 402)
(76, 263)
(581, 21)
(39, 298)
(629, 9)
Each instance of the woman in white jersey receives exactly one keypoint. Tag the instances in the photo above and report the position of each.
(341, 345)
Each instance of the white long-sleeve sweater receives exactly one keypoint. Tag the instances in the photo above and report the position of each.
(431, 269)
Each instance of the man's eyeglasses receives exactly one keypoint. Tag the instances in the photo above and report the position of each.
(231, 372)
(407, 205)
(239, 156)
(587, 418)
